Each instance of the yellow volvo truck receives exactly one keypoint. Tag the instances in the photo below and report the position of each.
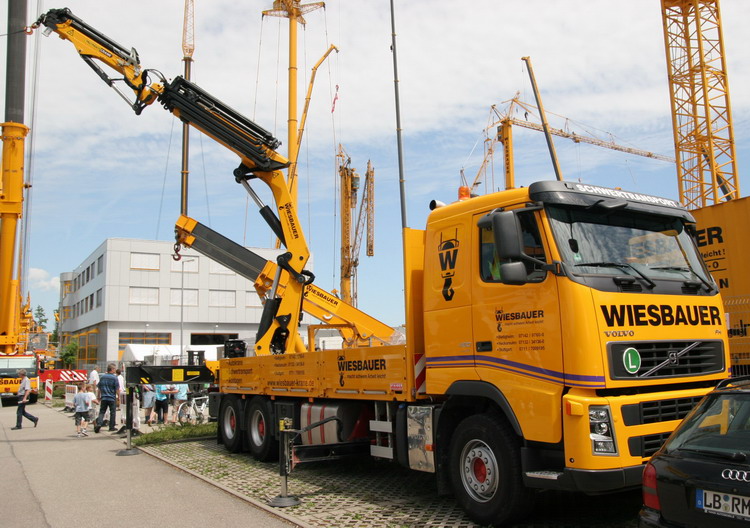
(556, 334)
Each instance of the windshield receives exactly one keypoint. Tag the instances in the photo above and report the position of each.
(719, 426)
(624, 242)
(9, 366)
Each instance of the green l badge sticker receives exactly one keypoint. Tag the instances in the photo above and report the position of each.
(631, 360)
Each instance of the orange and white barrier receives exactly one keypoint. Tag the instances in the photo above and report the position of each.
(48, 387)
(70, 393)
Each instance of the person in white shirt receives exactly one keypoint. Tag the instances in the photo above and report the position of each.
(24, 392)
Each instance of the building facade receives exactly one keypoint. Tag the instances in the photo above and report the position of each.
(132, 291)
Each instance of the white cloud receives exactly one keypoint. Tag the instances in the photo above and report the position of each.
(40, 279)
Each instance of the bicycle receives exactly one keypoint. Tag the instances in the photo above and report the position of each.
(193, 411)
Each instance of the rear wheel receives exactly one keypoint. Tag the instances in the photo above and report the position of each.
(263, 445)
(229, 424)
(485, 471)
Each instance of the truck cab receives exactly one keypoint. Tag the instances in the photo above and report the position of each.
(583, 316)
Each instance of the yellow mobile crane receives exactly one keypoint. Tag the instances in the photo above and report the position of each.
(556, 334)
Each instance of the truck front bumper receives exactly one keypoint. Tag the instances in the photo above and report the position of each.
(591, 482)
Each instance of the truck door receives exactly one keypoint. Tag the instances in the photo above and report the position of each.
(516, 330)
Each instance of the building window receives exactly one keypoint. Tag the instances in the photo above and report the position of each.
(216, 268)
(98, 297)
(144, 261)
(191, 297)
(190, 264)
(251, 298)
(221, 298)
(91, 301)
(144, 295)
(100, 264)
(143, 338)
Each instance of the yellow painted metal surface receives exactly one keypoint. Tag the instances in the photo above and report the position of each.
(379, 373)
(722, 241)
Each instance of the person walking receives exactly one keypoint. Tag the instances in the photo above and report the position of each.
(24, 392)
(162, 402)
(180, 397)
(93, 383)
(109, 393)
(82, 402)
(149, 396)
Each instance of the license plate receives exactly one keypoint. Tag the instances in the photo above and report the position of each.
(724, 504)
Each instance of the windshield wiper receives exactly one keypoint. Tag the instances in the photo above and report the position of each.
(621, 265)
(737, 456)
(685, 268)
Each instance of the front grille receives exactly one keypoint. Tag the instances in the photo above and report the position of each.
(646, 446)
(705, 358)
(658, 411)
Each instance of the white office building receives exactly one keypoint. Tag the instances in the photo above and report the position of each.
(133, 292)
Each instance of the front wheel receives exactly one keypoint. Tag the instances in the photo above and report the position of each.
(485, 469)
(184, 413)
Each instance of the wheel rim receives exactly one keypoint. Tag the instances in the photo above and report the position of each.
(230, 422)
(258, 428)
(479, 471)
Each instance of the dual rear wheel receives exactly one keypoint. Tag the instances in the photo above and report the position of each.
(259, 427)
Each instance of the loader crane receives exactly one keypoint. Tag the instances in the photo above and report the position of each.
(285, 285)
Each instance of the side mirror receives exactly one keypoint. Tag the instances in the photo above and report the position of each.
(507, 235)
(513, 273)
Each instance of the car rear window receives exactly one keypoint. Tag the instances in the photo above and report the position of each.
(720, 425)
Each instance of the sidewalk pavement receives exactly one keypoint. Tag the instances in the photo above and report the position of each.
(53, 478)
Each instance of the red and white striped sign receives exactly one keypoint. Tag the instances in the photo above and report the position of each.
(420, 374)
(64, 375)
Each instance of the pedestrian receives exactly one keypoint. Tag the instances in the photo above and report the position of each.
(82, 402)
(24, 392)
(179, 398)
(94, 382)
(93, 378)
(121, 385)
(162, 402)
(149, 397)
(108, 392)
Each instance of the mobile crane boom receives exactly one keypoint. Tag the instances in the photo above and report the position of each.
(256, 148)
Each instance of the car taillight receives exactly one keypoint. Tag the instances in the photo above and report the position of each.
(650, 498)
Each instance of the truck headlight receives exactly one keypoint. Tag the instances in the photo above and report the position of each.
(601, 431)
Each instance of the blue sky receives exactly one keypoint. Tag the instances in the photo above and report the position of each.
(100, 171)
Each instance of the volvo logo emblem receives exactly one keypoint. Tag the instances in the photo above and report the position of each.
(736, 474)
(674, 358)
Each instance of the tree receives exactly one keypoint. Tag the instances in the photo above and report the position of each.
(69, 354)
(55, 337)
(40, 317)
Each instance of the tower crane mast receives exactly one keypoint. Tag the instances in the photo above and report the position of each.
(699, 95)
(351, 239)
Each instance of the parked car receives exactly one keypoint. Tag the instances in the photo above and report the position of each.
(701, 475)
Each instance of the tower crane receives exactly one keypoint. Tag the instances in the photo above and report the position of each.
(699, 94)
(503, 122)
(351, 239)
(294, 11)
